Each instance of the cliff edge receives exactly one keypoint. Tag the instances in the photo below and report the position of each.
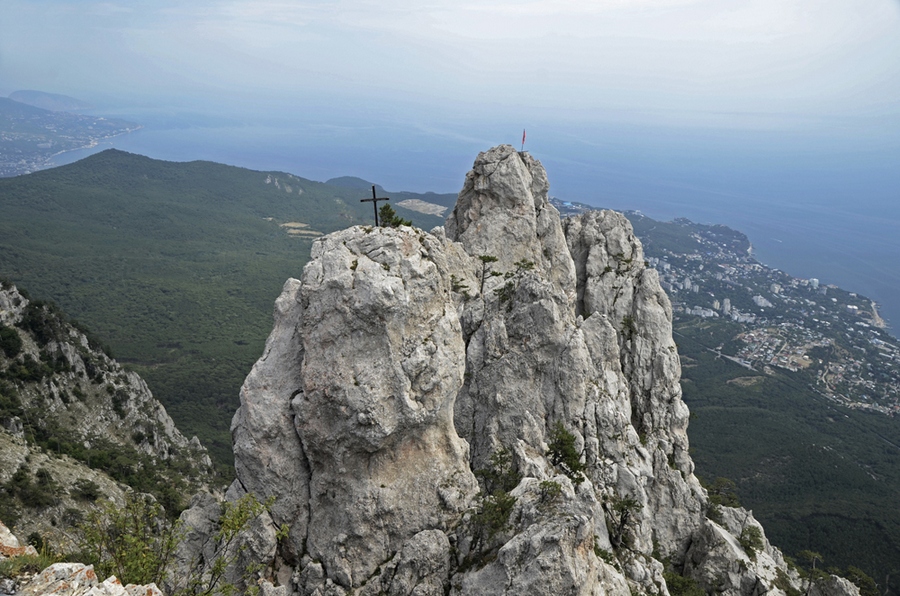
(489, 408)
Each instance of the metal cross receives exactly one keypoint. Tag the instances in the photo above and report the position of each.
(374, 200)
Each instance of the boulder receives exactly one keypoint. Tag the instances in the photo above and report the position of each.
(76, 579)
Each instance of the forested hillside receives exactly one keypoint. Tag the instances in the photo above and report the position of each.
(174, 265)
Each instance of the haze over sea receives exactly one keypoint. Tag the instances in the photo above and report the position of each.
(824, 206)
(780, 118)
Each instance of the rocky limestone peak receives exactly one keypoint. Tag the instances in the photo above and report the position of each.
(503, 211)
(367, 455)
(490, 408)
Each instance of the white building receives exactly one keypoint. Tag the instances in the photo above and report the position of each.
(761, 302)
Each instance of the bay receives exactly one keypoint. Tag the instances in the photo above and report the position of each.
(813, 206)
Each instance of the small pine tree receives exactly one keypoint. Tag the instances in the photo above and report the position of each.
(866, 585)
(564, 455)
(388, 218)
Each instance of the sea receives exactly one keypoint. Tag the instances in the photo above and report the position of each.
(814, 204)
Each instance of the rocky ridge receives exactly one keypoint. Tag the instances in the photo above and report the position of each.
(75, 426)
(490, 408)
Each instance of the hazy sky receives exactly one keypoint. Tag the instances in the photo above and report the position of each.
(778, 117)
(750, 63)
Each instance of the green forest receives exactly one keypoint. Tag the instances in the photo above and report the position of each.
(819, 477)
(176, 266)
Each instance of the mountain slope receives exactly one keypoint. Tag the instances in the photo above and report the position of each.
(174, 265)
(491, 409)
(49, 101)
(66, 407)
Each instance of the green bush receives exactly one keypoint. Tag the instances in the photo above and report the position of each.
(119, 399)
(9, 515)
(10, 404)
(28, 370)
(493, 517)
(783, 582)
(44, 321)
(619, 511)
(35, 495)
(550, 491)
(495, 502)
(564, 455)
(72, 516)
(682, 586)
(85, 490)
(722, 492)
(10, 342)
(501, 475)
(506, 292)
(134, 543)
(37, 541)
(865, 583)
(388, 218)
(607, 557)
(751, 541)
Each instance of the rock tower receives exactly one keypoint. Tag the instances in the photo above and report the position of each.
(492, 407)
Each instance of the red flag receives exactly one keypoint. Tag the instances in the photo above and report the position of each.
(523, 139)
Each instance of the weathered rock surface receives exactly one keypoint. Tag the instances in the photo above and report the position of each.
(10, 545)
(833, 586)
(65, 387)
(357, 441)
(404, 362)
(75, 579)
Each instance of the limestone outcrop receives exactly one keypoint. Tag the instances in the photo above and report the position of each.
(80, 388)
(76, 579)
(489, 408)
(66, 404)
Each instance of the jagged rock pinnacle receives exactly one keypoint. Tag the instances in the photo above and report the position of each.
(406, 367)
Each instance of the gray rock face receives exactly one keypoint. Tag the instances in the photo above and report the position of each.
(357, 441)
(268, 455)
(834, 586)
(614, 283)
(75, 579)
(503, 211)
(403, 362)
(84, 397)
(553, 547)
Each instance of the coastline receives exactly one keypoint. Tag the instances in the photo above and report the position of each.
(876, 318)
(852, 249)
(94, 142)
(38, 162)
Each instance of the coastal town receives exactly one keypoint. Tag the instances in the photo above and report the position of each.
(823, 337)
(831, 339)
(31, 137)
